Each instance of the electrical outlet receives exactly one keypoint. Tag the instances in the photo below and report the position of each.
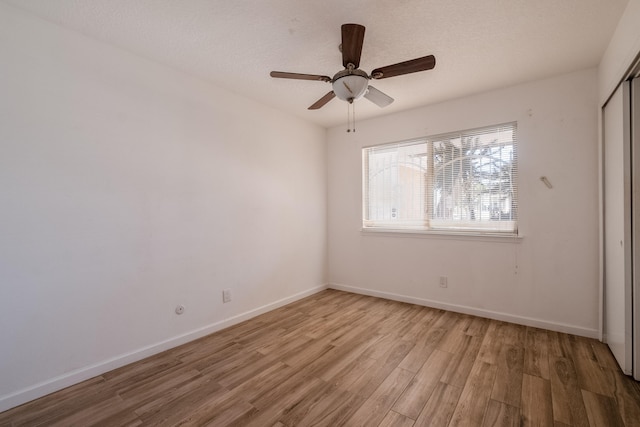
(226, 295)
(444, 281)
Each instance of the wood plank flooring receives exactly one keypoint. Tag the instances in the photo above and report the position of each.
(337, 358)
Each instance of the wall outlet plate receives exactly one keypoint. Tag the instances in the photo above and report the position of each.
(226, 295)
(444, 281)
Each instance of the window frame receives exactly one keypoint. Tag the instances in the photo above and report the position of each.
(439, 227)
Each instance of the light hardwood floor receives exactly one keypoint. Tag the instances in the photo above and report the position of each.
(337, 358)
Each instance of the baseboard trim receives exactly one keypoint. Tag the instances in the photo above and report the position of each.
(58, 383)
(505, 317)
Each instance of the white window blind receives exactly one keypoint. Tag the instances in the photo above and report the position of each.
(458, 182)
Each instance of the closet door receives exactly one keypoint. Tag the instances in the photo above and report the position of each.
(635, 149)
(617, 228)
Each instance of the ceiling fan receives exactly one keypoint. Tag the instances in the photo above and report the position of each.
(352, 83)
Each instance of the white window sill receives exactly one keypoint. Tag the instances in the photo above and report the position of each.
(443, 234)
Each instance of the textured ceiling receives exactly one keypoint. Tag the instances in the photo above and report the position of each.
(479, 45)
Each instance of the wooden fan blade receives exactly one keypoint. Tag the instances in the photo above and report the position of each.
(297, 76)
(320, 102)
(352, 40)
(407, 67)
(379, 98)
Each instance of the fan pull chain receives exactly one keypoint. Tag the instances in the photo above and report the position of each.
(348, 118)
(351, 117)
(353, 112)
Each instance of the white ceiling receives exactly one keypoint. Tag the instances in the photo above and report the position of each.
(479, 45)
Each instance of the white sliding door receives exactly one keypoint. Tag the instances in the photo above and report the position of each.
(635, 149)
(617, 228)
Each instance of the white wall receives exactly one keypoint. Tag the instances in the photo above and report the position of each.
(127, 188)
(550, 277)
(622, 49)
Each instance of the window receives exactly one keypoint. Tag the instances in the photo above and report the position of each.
(459, 182)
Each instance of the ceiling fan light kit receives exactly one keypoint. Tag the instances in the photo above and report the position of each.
(352, 83)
